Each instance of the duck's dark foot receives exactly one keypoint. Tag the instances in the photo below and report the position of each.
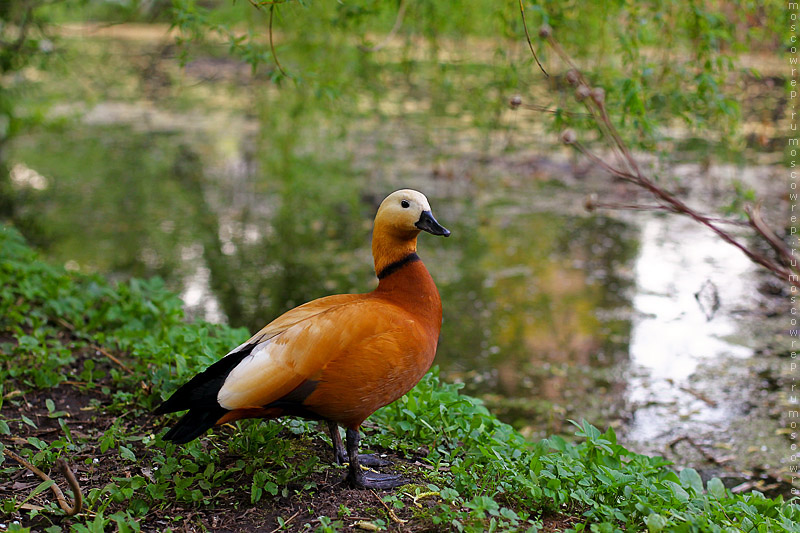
(366, 459)
(372, 460)
(374, 480)
(361, 479)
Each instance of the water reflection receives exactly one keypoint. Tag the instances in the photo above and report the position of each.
(674, 331)
(110, 205)
(540, 317)
(536, 303)
(548, 316)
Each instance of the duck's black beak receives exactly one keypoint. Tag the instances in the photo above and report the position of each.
(427, 223)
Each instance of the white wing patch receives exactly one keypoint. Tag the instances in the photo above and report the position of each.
(283, 361)
(258, 358)
(252, 366)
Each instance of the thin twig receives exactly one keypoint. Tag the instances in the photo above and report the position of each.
(111, 357)
(391, 512)
(545, 109)
(528, 37)
(561, 53)
(272, 44)
(71, 510)
(605, 125)
(607, 128)
(286, 522)
(258, 5)
(700, 396)
(617, 138)
(95, 347)
(397, 23)
(592, 204)
(627, 176)
(758, 224)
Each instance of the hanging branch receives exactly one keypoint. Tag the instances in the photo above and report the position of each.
(272, 44)
(258, 5)
(528, 37)
(784, 266)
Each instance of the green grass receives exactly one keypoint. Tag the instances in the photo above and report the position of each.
(480, 475)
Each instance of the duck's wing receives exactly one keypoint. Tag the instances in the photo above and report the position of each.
(202, 390)
(299, 314)
(287, 365)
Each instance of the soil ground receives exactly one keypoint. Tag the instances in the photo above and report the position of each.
(90, 414)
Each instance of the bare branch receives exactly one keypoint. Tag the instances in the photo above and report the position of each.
(71, 510)
(628, 169)
(627, 176)
(528, 37)
(758, 224)
(545, 109)
(592, 204)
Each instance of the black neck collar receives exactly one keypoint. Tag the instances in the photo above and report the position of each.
(391, 268)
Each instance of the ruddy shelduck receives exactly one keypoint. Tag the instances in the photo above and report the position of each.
(338, 358)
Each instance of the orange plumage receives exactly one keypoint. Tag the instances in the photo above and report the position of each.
(338, 358)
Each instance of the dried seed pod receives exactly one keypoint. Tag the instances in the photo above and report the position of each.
(573, 77)
(545, 31)
(599, 95)
(568, 136)
(582, 92)
(515, 101)
(590, 203)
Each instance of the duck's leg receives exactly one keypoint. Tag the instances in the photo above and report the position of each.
(340, 455)
(361, 479)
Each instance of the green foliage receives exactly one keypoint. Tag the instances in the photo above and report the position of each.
(497, 474)
(483, 474)
(450, 67)
(659, 60)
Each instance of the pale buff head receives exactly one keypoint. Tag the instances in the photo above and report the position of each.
(405, 213)
(401, 216)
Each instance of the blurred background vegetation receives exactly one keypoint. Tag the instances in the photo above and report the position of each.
(161, 138)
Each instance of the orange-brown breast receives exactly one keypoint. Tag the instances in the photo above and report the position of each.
(340, 358)
(405, 313)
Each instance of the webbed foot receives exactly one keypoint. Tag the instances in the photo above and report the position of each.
(366, 479)
(374, 480)
(373, 460)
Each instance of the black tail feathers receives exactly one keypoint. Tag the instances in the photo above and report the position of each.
(199, 396)
(202, 389)
(195, 423)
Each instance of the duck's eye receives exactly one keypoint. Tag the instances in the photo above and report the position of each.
(405, 204)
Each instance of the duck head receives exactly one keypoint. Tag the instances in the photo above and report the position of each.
(400, 218)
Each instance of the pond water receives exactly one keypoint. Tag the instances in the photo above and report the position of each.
(247, 210)
(550, 313)
(689, 286)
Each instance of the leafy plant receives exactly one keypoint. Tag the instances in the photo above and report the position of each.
(482, 475)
